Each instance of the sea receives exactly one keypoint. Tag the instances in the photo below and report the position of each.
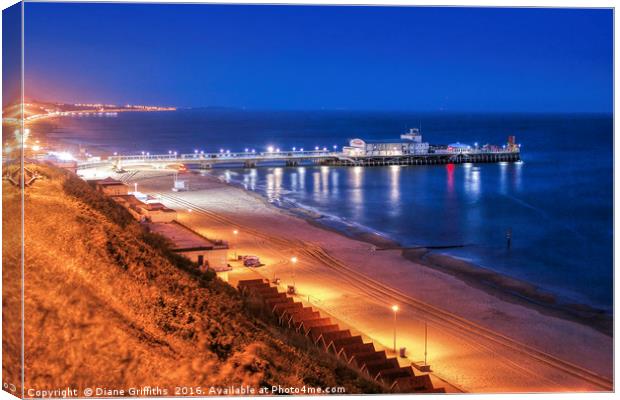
(557, 203)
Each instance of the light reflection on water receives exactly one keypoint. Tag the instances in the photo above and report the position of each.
(467, 204)
(356, 199)
(325, 181)
(503, 184)
(395, 198)
(405, 190)
(472, 183)
(274, 184)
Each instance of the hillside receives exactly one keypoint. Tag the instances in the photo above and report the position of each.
(108, 305)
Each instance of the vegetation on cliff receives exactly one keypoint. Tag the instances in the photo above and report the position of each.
(108, 304)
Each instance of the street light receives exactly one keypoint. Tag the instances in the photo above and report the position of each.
(293, 261)
(236, 234)
(395, 309)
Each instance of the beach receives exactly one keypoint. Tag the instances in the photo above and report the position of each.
(477, 339)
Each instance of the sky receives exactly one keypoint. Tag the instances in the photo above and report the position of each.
(305, 57)
(11, 54)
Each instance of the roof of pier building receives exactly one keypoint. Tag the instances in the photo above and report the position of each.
(458, 145)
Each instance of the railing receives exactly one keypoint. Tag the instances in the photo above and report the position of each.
(275, 155)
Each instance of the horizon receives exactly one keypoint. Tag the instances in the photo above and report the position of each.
(352, 110)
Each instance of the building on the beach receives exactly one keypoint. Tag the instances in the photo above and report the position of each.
(148, 212)
(205, 252)
(158, 212)
(111, 187)
(410, 143)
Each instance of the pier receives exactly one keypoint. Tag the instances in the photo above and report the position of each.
(296, 158)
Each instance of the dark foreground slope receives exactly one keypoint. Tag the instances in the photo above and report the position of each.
(107, 305)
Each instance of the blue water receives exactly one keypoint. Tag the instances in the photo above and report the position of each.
(558, 202)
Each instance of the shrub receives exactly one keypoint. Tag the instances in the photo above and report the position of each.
(79, 189)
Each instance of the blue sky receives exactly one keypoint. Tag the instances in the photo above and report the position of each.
(11, 54)
(300, 57)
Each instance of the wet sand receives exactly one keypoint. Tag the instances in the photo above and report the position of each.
(512, 290)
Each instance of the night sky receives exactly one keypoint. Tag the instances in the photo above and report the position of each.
(293, 57)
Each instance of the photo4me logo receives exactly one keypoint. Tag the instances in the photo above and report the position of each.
(273, 390)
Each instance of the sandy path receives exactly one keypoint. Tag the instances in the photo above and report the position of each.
(475, 340)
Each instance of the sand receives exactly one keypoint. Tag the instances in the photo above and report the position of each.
(478, 341)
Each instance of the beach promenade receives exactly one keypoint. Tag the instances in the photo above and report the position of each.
(477, 342)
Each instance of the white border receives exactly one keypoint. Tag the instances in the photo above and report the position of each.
(479, 3)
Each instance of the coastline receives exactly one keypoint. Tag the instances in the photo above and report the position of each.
(501, 286)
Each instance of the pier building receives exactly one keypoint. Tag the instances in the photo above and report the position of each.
(410, 143)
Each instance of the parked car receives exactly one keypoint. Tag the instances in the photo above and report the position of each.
(251, 261)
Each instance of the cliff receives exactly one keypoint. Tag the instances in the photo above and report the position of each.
(108, 305)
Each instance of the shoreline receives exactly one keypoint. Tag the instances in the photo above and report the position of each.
(501, 286)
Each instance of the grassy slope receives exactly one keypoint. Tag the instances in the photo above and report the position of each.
(104, 308)
(11, 285)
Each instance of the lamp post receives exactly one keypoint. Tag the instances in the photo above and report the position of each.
(425, 343)
(236, 234)
(395, 310)
(293, 262)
